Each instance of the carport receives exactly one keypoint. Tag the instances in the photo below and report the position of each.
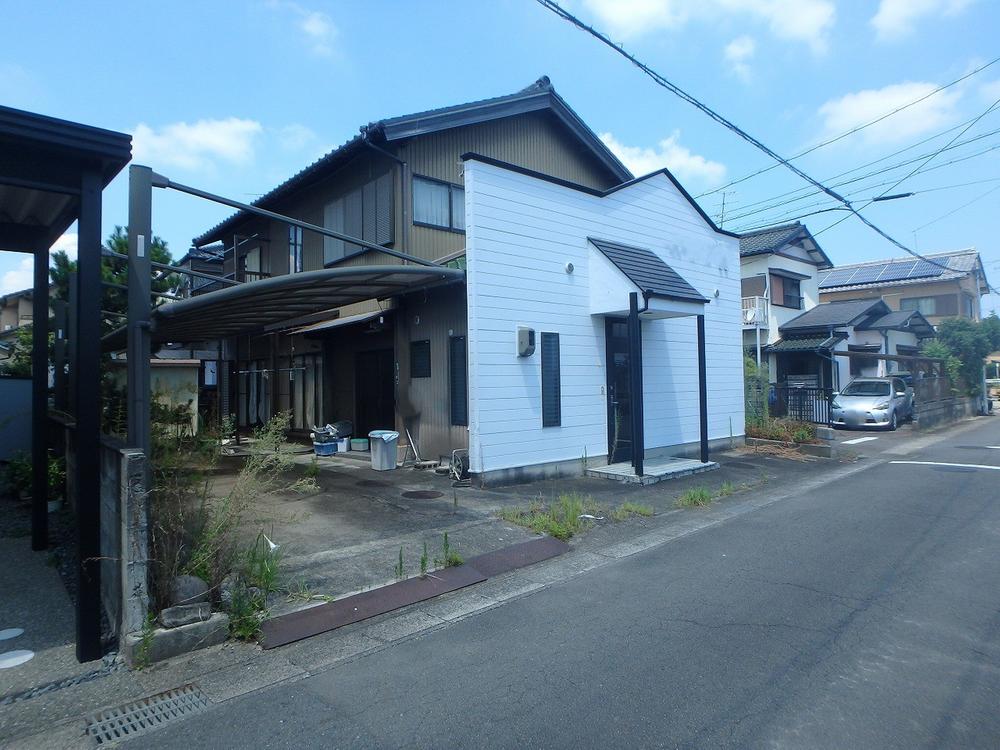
(52, 173)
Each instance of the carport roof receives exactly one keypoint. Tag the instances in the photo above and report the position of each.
(252, 307)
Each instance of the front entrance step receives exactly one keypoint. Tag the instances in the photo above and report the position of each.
(654, 470)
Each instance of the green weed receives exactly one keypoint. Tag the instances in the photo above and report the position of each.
(695, 497)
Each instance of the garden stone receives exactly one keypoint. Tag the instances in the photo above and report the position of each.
(188, 590)
(185, 614)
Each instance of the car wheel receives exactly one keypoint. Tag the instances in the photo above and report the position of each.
(893, 422)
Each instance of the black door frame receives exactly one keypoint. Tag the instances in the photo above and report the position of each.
(611, 395)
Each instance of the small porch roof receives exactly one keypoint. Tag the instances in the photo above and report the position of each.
(250, 308)
(821, 342)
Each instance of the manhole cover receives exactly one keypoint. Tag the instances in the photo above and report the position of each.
(140, 716)
(372, 483)
(422, 494)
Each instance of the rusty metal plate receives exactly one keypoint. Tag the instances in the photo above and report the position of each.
(517, 556)
(295, 626)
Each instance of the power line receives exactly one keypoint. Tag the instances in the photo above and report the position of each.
(956, 210)
(806, 192)
(856, 129)
(918, 169)
(715, 116)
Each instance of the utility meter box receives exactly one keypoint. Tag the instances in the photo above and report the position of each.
(525, 341)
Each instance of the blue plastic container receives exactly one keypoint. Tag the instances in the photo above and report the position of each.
(325, 449)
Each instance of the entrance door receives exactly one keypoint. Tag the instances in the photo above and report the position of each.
(375, 392)
(619, 391)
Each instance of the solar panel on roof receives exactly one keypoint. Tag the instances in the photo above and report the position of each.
(836, 278)
(897, 270)
(866, 274)
(925, 268)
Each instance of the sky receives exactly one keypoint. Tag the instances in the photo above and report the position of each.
(235, 97)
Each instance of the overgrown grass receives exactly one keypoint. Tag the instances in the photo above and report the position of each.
(567, 515)
(695, 497)
(785, 430)
(256, 578)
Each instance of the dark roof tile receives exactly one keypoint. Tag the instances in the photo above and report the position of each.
(648, 271)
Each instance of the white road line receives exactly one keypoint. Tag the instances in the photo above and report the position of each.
(940, 463)
(994, 447)
(858, 440)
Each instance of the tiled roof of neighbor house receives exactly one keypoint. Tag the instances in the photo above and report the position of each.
(647, 271)
(540, 95)
(902, 271)
(803, 343)
(836, 314)
(901, 319)
(773, 239)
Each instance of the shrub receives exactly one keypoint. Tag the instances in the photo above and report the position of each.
(784, 430)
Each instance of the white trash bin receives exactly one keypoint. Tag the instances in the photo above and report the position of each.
(383, 447)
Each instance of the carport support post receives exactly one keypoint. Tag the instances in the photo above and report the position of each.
(40, 402)
(702, 390)
(60, 386)
(635, 384)
(87, 410)
(140, 241)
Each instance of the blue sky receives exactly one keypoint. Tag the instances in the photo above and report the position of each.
(235, 97)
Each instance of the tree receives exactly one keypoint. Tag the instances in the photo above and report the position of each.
(19, 363)
(115, 301)
(968, 343)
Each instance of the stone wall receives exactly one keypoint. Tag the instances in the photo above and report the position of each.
(944, 411)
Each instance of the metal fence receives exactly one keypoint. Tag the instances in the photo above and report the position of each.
(800, 403)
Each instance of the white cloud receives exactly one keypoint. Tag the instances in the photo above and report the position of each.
(897, 18)
(738, 54)
(806, 21)
(990, 91)
(686, 166)
(852, 110)
(295, 137)
(197, 145)
(317, 27)
(22, 276)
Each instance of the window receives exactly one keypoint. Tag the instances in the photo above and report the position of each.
(551, 392)
(786, 292)
(365, 213)
(968, 306)
(458, 380)
(941, 304)
(294, 249)
(438, 204)
(420, 359)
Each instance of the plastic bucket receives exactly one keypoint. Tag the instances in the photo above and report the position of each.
(383, 443)
(343, 445)
(325, 449)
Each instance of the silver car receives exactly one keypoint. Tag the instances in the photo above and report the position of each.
(872, 402)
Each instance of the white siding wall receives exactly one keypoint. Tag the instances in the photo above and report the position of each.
(521, 232)
(761, 264)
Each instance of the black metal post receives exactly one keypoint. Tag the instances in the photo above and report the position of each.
(40, 402)
(702, 390)
(635, 383)
(87, 410)
(140, 241)
(60, 385)
(71, 339)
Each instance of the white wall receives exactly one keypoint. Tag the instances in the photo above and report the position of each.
(521, 232)
(755, 265)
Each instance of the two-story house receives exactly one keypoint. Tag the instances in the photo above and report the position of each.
(946, 285)
(515, 342)
(779, 268)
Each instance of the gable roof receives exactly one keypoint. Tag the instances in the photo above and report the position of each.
(539, 96)
(946, 266)
(901, 320)
(648, 271)
(836, 314)
(776, 238)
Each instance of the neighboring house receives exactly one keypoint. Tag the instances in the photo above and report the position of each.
(946, 285)
(779, 267)
(16, 310)
(204, 260)
(522, 358)
(805, 353)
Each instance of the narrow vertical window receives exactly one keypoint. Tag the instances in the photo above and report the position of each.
(458, 380)
(294, 249)
(420, 359)
(551, 387)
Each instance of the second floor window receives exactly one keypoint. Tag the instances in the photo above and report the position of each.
(438, 204)
(940, 304)
(294, 249)
(786, 292)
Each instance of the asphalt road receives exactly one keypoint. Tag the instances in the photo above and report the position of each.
(865, 614)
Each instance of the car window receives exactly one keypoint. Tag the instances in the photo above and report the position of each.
(899, 385)
(867, 388)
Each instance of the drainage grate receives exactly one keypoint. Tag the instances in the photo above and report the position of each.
(422, 494)
(140, 716)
